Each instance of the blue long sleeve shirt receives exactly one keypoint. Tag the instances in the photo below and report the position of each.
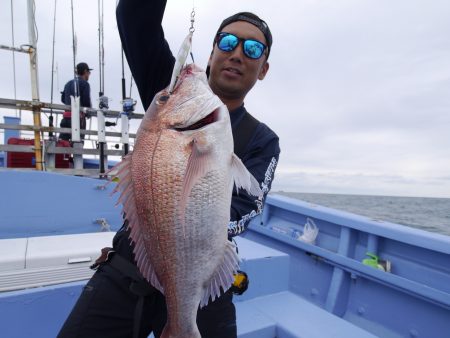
(82, 87)
(151, 62)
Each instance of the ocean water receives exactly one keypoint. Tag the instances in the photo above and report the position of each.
(431, 214)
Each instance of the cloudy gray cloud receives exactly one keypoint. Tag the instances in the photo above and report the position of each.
(358, 91)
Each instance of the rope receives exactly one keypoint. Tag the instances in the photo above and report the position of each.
(35, 24)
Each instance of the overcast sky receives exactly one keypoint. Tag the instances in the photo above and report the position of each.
(358, 90)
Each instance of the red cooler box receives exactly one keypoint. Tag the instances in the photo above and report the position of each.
(63, 160)
(28, 160)
(21, 160)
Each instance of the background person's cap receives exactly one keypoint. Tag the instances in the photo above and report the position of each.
(82, 67)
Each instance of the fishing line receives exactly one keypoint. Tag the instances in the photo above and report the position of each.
(192, 29)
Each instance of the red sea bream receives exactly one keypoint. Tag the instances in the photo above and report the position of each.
(176, 190)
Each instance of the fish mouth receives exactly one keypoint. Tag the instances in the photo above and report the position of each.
(208, 119)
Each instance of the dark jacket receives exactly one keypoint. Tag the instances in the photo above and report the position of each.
(151, 63)
(83, 89)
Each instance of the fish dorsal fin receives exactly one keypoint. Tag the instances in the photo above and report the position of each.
(122, 175)
(199, 163)
(243, 178)
(223, 277)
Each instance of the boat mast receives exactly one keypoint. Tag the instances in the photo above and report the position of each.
(34, 83)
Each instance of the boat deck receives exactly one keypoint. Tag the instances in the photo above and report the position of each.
(267, 309)
(297, 289)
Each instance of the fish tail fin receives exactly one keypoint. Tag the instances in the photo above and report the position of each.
(223, 277)
(243, 178)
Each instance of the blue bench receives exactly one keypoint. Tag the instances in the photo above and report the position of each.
(269, 310)
(267, 269)
(286, 315)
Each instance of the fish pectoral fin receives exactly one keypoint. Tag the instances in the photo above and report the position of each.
(223, 277)
(243, 178)
(199, 163)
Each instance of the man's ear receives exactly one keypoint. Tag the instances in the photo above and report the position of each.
(263, 71)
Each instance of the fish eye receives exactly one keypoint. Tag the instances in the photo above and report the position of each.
(162, 99)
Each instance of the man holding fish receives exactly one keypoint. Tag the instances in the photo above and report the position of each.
(172, 262)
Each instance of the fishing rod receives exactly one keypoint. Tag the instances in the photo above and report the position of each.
(101, 50)
(74, 48)
(103, 100)
(75, 103)
(124, 95)
(127, 108)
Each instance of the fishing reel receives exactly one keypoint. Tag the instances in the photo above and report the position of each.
(128, 105)
(103, 103)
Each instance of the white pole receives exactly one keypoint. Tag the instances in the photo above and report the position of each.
(124, 123)
(34, 83)
(101, 126)
(33, 54)
(75, 104)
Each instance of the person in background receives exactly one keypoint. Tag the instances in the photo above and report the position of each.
(117, 301)
(79, 85)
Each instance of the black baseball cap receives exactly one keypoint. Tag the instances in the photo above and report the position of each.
(254, 20)
(82, 67)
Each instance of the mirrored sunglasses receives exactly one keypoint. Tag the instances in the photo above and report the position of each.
(228, 42)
